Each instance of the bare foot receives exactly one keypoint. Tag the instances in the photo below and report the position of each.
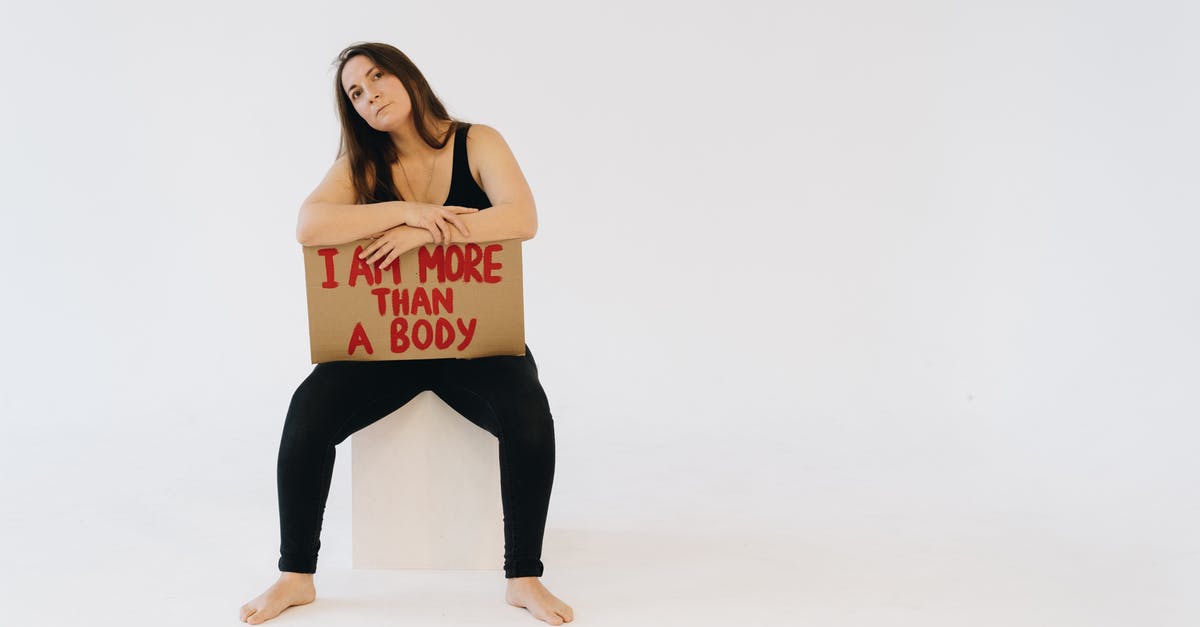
(290, 589)
(529, 593)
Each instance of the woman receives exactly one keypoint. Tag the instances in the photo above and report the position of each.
(408, 175)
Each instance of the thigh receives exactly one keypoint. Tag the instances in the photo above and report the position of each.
(496, 393)
(341, 397)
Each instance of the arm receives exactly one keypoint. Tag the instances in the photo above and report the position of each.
(512, 214)
(329, 216)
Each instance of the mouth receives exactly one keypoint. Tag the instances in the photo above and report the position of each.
(382, 108)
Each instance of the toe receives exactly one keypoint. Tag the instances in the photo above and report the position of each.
(545, 614)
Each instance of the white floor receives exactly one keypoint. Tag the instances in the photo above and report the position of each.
(163, 539)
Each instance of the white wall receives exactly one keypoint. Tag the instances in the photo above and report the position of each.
(866, 261)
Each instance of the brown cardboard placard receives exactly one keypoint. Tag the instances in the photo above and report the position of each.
(461, 300)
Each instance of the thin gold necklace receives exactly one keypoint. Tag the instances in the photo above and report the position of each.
(427, 183)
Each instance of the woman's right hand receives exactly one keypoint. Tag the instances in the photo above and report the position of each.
(437, 219)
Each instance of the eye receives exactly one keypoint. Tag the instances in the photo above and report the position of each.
(376, 75)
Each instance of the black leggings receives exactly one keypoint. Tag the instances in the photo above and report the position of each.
(499, 394)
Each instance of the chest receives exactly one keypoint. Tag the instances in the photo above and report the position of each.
(431, 181)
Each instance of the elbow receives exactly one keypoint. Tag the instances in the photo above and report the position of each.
(302, 237)
(301, 230)
(531, 225)
(304, 229)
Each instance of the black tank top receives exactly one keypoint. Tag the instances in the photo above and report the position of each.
(464, 191)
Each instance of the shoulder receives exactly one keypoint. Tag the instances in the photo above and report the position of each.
(337, 186)
(486, 151)
(343, 170)
(483, 135)
(486, 145)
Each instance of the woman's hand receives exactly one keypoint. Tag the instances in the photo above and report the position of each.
(437, 220)
(392, 243)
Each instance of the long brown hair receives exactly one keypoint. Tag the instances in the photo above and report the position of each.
(372, 152)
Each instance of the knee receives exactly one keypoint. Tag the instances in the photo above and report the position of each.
(307, 424)
(532, 425)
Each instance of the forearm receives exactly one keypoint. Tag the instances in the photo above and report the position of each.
(497, 223)
(329, 224)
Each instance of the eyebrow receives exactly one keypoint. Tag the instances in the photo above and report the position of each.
(352, 85)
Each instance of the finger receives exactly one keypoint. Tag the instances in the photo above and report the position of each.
(437, 234)
(430, 226)
(367, 251)
(463, 209)
(445, 228)
(453, 218)
(379, 253)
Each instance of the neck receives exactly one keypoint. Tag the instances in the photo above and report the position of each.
(409, 143)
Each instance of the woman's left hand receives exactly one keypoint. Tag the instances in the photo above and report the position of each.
(392, 243)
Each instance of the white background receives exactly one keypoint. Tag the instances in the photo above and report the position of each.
(849, 313)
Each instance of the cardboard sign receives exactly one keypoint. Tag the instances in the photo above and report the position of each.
(456, 301)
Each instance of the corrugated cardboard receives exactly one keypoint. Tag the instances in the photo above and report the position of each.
(456, 301)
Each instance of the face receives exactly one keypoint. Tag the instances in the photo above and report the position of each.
(379, 97)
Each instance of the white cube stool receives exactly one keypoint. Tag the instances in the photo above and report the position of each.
(426, 491)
